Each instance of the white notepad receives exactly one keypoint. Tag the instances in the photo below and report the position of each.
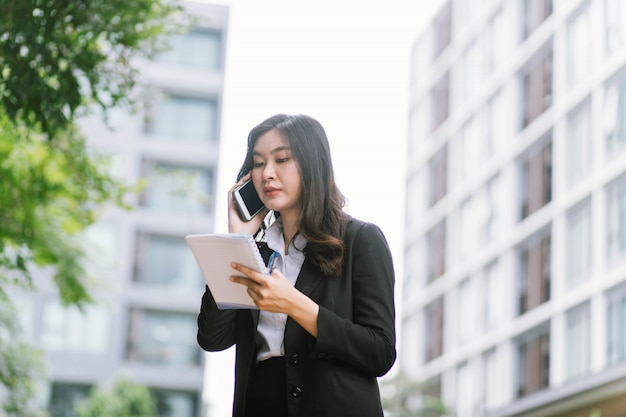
(214, 253)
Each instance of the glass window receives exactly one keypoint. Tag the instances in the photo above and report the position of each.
(438, 175)
(536, 89)
(615, 16)
(433, 334)
(615, 117)
(489, 212)
(179, 118)
(578, 342)
(176, 403)
(443, 30)
(465, 391)
(173, 188)
(70, 329)
(579, 144)
(535, 12)
(616, 323)
(493, 387)
(468, 320)
(534, 283)
(440, 98)
(65, 396)
(473, 145)
(436, 241)
(496, 295)
(198, 48)
(166, 261)
(533, 363)
(498, 39)
(616, 220)
(163, 338)
(536, 181)
(579, 46)
(578, 243)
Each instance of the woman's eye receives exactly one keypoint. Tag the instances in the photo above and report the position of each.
(257, 164)
(282, 160)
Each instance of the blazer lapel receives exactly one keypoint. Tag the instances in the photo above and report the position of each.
(309, 278)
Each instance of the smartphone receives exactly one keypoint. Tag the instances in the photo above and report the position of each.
(247, 201)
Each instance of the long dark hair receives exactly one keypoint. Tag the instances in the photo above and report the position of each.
(322, 219)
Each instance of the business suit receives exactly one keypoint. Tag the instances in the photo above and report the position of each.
(334, 374)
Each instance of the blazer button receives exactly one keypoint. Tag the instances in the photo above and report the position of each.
(295, 359)
(296, 391)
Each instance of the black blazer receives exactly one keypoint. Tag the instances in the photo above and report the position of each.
(335, 374)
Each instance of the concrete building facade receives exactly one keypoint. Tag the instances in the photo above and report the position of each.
(515, 250)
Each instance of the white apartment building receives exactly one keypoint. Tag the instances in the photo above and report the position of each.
(515, 284)
(147, 285)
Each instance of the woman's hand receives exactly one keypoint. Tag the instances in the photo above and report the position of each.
(276, 294)
(235, 224)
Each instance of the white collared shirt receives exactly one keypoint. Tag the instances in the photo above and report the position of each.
(272, 325)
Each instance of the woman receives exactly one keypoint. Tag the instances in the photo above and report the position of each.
(325, 328)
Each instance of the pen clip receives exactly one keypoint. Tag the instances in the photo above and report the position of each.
(271, 262)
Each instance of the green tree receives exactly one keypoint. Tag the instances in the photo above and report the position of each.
(126, 399)
(59, 60)
(404, 397)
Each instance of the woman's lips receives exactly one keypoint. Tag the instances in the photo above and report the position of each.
(271, 191)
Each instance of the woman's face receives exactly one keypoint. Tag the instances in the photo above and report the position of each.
(275, 174)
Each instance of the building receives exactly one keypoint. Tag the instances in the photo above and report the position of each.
(147, 284)
(515, 291)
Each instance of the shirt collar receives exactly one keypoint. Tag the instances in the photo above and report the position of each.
(275, 240)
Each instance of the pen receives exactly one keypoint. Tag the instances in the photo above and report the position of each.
(271, 262)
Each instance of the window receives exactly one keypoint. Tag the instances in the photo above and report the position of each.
(615, 16)
(578, 243)
(497, 124)
(498, 39)
(173, 188)
(533, 363)
(536, 181)
(442, 31)
(440, 98)
(489, 212)
(494, 389)
(175, 403)
(433, 335)
(579, 46)
(183, 119)
(198, 48)
(166, 261)
(616, 323)
(578, 147)
(438, 175)
(614, 123)
(71, 329)
(163, 338)
(536, 89)
(535, 12)
(465, 391)
(578, 342)
(436, 260)
(534, 288)
(64, 396)
(496, 295)
(473, 145)
(616, 220)
(468, 319)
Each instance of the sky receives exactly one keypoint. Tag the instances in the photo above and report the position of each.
(343, 62)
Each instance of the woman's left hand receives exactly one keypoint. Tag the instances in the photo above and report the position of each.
(274, 293)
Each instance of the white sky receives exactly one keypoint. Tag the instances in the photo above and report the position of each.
(343, 62)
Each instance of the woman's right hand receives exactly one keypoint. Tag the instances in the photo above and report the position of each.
(235, 224)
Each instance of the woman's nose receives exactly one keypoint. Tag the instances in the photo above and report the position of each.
(268, 171)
